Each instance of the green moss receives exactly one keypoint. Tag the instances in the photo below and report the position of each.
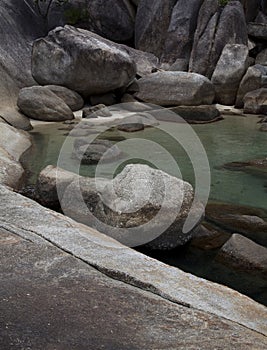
(223, 2)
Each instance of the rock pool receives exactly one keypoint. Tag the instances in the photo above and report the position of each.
(235, 138)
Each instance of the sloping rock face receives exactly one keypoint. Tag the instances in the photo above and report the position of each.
(128, 266)
(44, 274)
(215, 29)
(228, 73)
(251, 8)
(151, 25)
(13, 143)
(180, 33)
(113, 20)
(175, 88)
(81, 61)
(19, 26)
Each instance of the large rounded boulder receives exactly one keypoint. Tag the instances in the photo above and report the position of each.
(141, 205)
(175, 88)
(39, 102)
(81, 61)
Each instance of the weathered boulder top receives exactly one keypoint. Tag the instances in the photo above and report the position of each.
(81, 61)
(175, 88)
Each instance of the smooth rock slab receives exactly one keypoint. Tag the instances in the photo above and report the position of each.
(175, 88)
(41, 103)
(82, 61)
(244, 254)
(67, 304)
(122, 264)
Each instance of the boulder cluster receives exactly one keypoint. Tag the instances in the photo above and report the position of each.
(169, 53)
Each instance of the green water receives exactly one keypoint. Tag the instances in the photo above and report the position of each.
(233, 139)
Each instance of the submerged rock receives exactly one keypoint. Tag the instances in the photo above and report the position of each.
(250, 222)
(131, 127)
(243, 254)
(41, 103)
(256, 166)
(175, 88)
(139, 206)
(208, 237)
(82, 61)
(263, 127)
(93, 152)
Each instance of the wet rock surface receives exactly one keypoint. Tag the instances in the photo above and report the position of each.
(243, 254)
(247, 221)
(93, 152)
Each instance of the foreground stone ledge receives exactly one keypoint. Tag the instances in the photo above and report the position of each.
(51, 300)
(27, 218)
